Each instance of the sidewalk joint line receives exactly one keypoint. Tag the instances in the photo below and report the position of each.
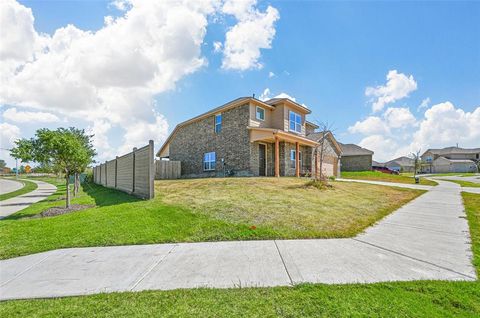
(283, 262)
(27, 269)
(155, 264)
(414, 258)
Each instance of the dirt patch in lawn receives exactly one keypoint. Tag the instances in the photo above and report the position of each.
(61, 210)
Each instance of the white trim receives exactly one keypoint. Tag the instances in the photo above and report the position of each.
(264, 113)
(295, 122)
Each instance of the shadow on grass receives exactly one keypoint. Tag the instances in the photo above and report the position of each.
(105, 196)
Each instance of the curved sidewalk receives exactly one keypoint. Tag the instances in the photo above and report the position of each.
(426, 239)
(21, 202)
(8, 185)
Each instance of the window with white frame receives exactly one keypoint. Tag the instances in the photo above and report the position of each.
(293, 162)
(295, 122)
(260, 113)
(209, 160)
(218, 123)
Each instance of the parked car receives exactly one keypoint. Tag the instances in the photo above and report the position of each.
(384, 170)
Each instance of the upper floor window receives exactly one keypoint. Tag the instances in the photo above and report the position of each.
(295, 122)
(260, 113)
(218, 123)
(209, 160)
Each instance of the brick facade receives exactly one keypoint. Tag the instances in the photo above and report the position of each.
(356, 163)
(232, 144)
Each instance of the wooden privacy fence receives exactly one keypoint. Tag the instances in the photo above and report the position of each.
(132, 173)
(167, 169)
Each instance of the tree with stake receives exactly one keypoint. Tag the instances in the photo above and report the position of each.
(68, 150)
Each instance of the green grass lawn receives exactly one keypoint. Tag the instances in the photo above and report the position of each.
(458, 174)
(202, 210)
(396, 299)
(28, 186)
(379, 176)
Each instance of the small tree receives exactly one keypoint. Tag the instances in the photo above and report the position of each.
(320, 152)
(68, 150)
(3, 164)
(417, 162)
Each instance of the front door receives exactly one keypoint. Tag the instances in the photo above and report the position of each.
(262, 160)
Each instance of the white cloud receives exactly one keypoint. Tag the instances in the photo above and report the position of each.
(398, 117)
(265, 95)
(8, 134)
(397, 87)
(424, 104)
(271, 74)
(110, 76)
(12, 114)
(444, 125)
(138, 133)
(371, 125)
(254, 31)
(285, 95)
(382, 146)
(217, 46)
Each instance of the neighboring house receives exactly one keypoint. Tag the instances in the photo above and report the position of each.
(355, 158)
(457, 160)
(245, 137)
(331, 153)
(442, 165)
(401, 164)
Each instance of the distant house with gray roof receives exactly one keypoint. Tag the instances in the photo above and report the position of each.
(355, 158)
(401, 164)
(450, 159)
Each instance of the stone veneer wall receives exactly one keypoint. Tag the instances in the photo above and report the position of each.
(356, 163)
(192, 141)
(286, 168)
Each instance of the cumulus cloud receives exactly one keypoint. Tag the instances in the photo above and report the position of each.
(271, 74)
(8, 134)
(13, 115)
(442, 125)
(398, 86)
(265, 94)
(368, 126)
(398, 117)
(254, 31)
(109, 76)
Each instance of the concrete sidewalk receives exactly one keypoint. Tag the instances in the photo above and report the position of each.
(391, 184)
(9, 185)
(21, 202)
(427, 238)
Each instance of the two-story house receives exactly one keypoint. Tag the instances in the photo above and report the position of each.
(249, 137)
(450, 159)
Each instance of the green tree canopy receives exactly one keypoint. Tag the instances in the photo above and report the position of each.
(67, 150)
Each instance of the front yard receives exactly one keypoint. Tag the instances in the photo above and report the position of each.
(202, 210)
(396, 299)
(379, 176)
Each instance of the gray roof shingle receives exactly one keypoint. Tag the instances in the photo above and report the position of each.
(354, 150)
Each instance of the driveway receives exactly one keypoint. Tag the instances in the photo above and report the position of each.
(21, 202)
(8, 185)
(426, 239)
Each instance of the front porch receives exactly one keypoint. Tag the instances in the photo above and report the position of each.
(286, 153)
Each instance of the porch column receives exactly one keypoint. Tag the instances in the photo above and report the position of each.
(297, 159)
(317, 165)
(277, 157)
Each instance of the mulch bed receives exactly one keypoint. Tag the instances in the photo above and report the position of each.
(62, 210)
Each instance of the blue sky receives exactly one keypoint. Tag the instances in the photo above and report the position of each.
(324, 54)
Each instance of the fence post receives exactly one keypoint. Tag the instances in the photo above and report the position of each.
(151, 168)
(116, 170)
(133, 179)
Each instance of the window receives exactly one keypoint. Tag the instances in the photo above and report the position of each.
(260, 113)
(218, 123)
(209, 161)
(295, 122)
(292, 158)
